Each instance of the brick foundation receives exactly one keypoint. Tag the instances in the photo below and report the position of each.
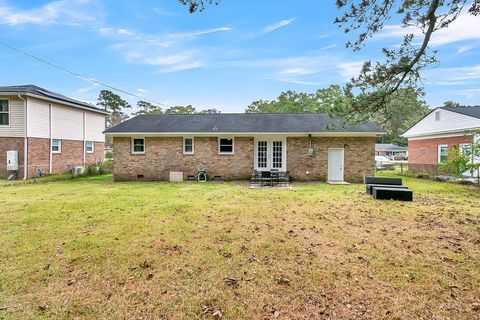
(423, 154)
(8, 144)
(164, 155)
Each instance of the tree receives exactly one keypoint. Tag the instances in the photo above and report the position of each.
(181, 110)
(115, 105)
(323, 100)
(403, 109)
(401, 67)
(210, 111)
(451, 104)
(145, 107)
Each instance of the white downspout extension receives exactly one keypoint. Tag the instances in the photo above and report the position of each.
(50, 158)
(25, 140)
(84, 141)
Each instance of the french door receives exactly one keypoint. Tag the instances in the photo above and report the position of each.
(270, 154)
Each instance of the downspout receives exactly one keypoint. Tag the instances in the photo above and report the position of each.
(84, 142)
(50, 157)
(25, 139)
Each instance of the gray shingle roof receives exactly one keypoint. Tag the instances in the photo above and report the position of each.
(38, 91)
(239, 123)
(472, 111)
(389, 147)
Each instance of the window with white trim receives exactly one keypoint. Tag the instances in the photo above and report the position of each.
(56, 146)
(138, 145)
(442, 153)
(90, 146)
(188, 146)
(465, 148)
(437, 115)
(225, 145)
(4, 113)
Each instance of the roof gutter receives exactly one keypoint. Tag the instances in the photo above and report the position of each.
(56, 100)
(243, 134)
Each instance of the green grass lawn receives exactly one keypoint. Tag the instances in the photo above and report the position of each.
(94, 249)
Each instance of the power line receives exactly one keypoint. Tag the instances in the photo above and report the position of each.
(79, 75)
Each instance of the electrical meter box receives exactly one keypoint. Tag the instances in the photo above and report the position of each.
(12, 160)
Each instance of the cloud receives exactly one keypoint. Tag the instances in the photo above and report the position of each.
(315, 68)
(171, 52)
(468, 93)
(276, 26)
(349, 70)
(462, 29)
(142, 91)
(72, 12)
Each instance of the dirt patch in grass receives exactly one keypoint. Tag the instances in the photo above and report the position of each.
(91, 248)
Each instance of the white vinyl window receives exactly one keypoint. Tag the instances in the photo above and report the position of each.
(4, 113)
(90, 146)
(188, 146)
(138, 145)
(442, 153)
(225, 145)
(465, 148)
(56, 146)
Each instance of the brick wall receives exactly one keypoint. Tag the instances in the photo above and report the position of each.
(359, 157)
(97, 155)
(38, 155)
(423, 154)
(165, 154)
(7, 144)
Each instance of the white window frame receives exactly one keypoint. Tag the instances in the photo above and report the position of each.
(133, 146)
(439, 150)
(93, 146)
(463, 146)
(59, 146)
(193, 145)
(233, 145)
(8, 112)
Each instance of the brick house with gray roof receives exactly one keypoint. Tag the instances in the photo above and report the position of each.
(48, 132)
(231, 146)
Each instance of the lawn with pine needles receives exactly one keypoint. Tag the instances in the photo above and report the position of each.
(94, 249)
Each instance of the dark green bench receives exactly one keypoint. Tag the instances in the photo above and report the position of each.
(381, 193)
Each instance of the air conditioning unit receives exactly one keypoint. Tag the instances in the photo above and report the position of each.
(12, 160)
(78, 170)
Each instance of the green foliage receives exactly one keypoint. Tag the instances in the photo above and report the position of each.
(210, 111)
(145, 107)
(115, 105)
(451, 104)
(457, 162)
(402, 110)
(98, 169)
(109, 155)
(181, 110)
(323, 100)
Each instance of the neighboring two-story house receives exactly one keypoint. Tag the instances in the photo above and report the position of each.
(442, 129)
(50, 132)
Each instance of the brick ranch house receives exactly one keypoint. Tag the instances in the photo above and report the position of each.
(442, 129)
(231, 146)
(49, 131)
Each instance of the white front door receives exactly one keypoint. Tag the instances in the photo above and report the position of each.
(335, 164)
(270, 154)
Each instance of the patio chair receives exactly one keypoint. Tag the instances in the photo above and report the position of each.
(275, 177)
(265, 178)
(254, 180)
(284, 179)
